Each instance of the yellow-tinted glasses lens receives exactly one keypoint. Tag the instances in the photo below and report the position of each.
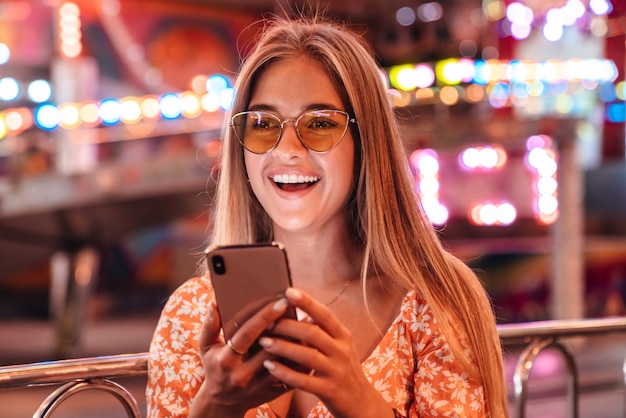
(318, 130)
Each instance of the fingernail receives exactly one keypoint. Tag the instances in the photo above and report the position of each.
(269, 365)
(300, 314)
(266, 341)
(293, 294)
(280, 305)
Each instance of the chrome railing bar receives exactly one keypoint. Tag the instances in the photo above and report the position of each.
(75, 369)
(561, 328)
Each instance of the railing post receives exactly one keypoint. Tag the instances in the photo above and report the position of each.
(525, 364)
(53, 400)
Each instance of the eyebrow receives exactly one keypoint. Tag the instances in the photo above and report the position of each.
(312, 106)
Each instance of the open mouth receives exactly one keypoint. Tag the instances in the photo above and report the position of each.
(294, 182)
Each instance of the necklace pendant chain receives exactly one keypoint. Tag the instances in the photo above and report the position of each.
(343, 289)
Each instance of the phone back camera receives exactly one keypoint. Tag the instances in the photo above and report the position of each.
(218, 264)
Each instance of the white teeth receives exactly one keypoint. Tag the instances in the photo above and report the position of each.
(294, 178)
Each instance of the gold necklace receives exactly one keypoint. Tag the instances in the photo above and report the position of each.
(343, 289)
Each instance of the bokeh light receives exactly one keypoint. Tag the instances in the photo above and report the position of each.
(39, 91)
(110, 111)
(9, 89)
(47, 116)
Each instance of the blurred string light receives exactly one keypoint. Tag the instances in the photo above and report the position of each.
(450, 95)
(69, 30)
(130, 110)
(426, 12)
(70, 115)
(16, 118)
(405, 16)
(493, 213)
(171, 107)
(47, 116)
(541, 160)
(425, 165)
(451, 71)
(429, 12)
(601, 7)
(614, 100)
(150, 107)
(190, 105)
(110, 112)
(216, 95)
(9, 89)
(409, 77)
(454, 71)
(488, 157)
(534, 87)
(616, 112)
(518, 19)
(39, 91)
(521, 17)
(494, 10)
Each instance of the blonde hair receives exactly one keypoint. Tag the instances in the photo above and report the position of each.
(385, 216)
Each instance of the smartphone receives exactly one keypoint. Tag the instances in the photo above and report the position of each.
(245, 278)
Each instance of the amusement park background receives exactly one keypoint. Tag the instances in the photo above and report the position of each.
(513, 115)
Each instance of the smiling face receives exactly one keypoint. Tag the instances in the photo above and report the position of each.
(302, 191)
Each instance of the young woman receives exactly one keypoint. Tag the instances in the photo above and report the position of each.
(393, 325)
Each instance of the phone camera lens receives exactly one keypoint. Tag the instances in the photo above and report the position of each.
(218, 264)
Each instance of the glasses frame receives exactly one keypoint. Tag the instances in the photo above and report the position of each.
(295, 121)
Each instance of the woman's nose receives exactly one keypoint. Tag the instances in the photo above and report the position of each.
(289, 143)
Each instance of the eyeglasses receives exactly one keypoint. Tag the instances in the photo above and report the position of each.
(318, 130)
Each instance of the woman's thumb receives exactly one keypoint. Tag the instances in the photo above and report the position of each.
(210, 332)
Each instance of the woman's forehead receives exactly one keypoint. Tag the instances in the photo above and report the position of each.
(294, 84)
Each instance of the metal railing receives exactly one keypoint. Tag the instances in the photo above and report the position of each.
(539, 336)
(77, 375)
(96, 373)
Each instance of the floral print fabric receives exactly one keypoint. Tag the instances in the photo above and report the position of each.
(412, 367)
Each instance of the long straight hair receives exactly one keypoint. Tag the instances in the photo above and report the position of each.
(385, 216)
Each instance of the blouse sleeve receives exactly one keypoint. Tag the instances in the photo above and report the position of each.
(174, 367)
(441, 386)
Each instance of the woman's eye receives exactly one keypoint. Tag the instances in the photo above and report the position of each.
(322, 124)
(261, 124)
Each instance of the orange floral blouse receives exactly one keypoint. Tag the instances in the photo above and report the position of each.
(412, 367)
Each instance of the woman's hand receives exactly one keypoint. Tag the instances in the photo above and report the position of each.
(235, 380)
(327, 349)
